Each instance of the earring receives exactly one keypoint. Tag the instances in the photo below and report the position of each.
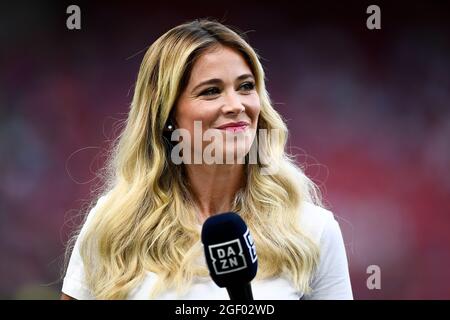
(169, 127)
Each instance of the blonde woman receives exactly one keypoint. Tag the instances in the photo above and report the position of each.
(141, 240)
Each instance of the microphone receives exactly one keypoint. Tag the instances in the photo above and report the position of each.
(230, 254)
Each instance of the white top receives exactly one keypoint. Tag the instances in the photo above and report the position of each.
(331, 281)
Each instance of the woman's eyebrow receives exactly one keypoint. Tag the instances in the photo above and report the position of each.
(245, 76)
(210, 81)
(219, 81)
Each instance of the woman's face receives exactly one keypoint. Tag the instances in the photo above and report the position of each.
(221, 92)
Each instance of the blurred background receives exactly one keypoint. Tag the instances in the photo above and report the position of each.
(368, 113)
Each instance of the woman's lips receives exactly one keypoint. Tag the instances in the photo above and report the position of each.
(237, 128)
(234, 126)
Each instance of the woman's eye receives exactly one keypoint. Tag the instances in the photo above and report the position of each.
(210, 91)
(248, 86)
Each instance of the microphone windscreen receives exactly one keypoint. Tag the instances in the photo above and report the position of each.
(229, 250)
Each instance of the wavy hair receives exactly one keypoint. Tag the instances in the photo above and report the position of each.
(147, 221)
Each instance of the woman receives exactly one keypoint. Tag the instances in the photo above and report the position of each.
(142, 238)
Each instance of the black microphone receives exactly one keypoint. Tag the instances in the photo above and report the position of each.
(230, 254)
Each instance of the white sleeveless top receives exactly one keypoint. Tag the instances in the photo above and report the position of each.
(331, 280)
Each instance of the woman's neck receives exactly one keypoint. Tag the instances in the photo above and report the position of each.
(214, 186)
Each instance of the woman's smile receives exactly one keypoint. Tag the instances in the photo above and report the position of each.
(234, 126)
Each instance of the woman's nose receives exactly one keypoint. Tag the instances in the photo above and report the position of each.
(233, 104)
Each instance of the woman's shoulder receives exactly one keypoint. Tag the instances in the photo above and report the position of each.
(332, 279)
(314, 219)
(97, 204)
(89, 216)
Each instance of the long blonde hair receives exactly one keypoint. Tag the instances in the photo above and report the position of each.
(147, 221)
